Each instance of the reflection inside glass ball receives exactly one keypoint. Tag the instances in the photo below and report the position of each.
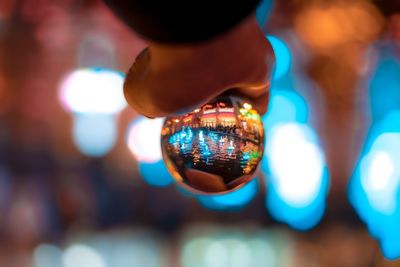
(215, 148)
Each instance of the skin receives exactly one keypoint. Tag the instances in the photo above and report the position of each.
(168, 79)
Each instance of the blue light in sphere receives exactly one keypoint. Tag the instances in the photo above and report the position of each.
(231, 201)
(155, 174)
(283, 57)
(94, 134)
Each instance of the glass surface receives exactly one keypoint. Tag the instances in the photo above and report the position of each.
(215, 148)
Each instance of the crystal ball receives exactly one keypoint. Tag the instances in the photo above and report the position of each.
(216, 148)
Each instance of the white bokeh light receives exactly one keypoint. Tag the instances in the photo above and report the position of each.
(192, 254)
(93, 91)
(94, 134)
(261, 251)
(143, 139)
(216, 255)
(47, 255)
(82, 256)
(223, 248)
(239, 253)
(296, 162)
(380, 172)
(94, 97)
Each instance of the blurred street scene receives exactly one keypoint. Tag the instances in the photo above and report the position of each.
(82, 181)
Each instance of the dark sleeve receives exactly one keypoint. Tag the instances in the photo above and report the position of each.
(388, 7)
(173, 21)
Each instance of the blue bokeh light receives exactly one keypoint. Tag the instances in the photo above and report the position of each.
(374, 188)
(285, 106)
(263, 11)
(232, 201)
(297, 184)
(155, 174)
(94, 134)
(384, 86)
(283, 57)
(297, 176)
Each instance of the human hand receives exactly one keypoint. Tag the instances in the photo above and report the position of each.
(171, 79)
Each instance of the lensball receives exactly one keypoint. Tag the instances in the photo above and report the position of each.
(216, 148)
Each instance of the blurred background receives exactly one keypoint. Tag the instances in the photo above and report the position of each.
(82, 182)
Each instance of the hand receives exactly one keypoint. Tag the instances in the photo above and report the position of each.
(174, 79)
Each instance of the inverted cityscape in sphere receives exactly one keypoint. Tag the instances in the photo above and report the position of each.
(216, 148)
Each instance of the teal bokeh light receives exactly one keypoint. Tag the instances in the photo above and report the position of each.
(297, 183)
(283, 57)
(374, 188)
(155, 174)
(294, 164)
(232, 201)
(263, 11)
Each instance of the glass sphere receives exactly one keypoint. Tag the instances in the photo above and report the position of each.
(216, 148)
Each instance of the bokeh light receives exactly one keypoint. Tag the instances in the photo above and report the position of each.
(374, 188)
(94, 134)
(297, 178)
(262, 252)
(155, 174)
(96, 49)
(47, 255)
(231, 201)
(130, 248)
(93, 90)
(193, 251)
(143, 139)
(297, 183)
(379, 177)
(285, 106)
(80, 255)
(288, 144)
(206, 246)
(94, 96)
(263, 11)
(283, 57)
(384, 84)
(329, 25)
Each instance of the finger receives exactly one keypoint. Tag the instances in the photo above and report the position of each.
(135, 82)
(259, 100)
(169, 80)
(261, 103)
